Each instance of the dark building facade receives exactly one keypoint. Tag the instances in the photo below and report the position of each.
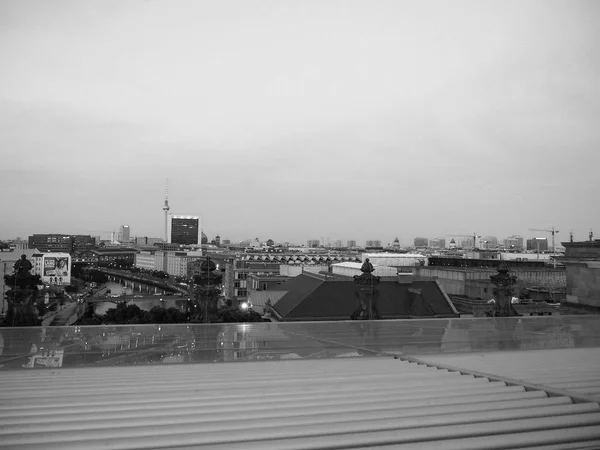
(421, 242)
(185, 230)
(61, 243)
(110, 255)
(532, 244)
(444, 261)
(82, 243)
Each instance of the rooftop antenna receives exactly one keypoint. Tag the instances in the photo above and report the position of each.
(166, 209)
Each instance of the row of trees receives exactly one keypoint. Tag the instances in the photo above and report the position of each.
(130, 314)
(91, 275)
(154, 273)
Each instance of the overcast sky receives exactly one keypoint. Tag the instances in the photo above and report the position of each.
(301, 119)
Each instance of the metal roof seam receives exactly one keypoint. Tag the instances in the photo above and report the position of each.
(511, 382)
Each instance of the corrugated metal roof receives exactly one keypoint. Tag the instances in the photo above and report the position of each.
(575, 370)
(304, 404)
(486, 394)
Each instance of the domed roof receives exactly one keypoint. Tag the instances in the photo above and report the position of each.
(207, 265)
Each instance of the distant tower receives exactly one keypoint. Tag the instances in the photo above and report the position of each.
(124, 233)
(166, 209)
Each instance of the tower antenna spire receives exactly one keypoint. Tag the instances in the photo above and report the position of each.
(166, 209)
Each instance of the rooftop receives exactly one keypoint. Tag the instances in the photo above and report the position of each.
(527, 383)
(330, 297)
(594, 243)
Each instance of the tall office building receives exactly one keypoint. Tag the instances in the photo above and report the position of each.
(82, 243)
(373, 243)
(535, 244)
(351, 244)
(437, 243)
(489, 242)
(421, 242)
(313, 243)
(336, 244)
(124, 233)
(61, 243)
(514, 242)
(185, 230)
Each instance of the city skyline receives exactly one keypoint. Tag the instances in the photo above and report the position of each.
(299, 120)
(405, 239)
(334, 242)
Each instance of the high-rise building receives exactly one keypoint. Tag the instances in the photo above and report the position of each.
(536, 244)
(437, 243)
(124, 233)
(351, 244)
(145, 240)
(514, 242)
(467, 243)
(421, 242)
(82, 243)
(185, 230)
(61, 243)
(490, 242)
(373, 243)
(313, 243)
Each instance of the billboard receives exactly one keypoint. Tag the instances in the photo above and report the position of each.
(56, 268)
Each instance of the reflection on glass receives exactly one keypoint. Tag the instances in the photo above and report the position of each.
(51, 347)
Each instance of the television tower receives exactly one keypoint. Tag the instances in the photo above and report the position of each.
(166, 209)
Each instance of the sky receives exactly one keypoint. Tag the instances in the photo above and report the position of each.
(300, 119)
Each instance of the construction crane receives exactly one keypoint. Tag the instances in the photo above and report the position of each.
(553, 232)
(474, 236)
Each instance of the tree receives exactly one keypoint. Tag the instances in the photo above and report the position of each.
(231, 315)
(170, 315)
(73, 288)
(122, 314)
(41, 307)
